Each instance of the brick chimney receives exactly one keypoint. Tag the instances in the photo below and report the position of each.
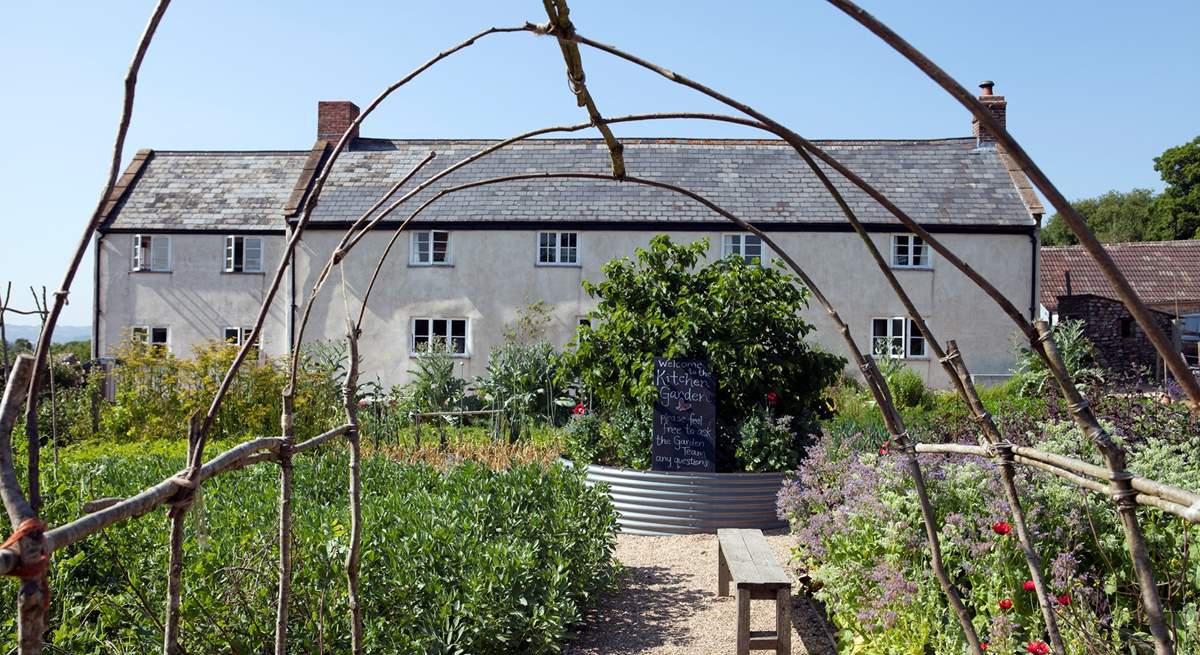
(333, 117)
(997, 105)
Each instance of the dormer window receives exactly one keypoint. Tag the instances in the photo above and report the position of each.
(151, 252)
(910, 251)
(430, 248)
(243, 254)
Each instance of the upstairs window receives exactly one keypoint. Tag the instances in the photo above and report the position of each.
(910, 251)
(151, 252)
(558, 249)
(236, 336)
(747, 246)
(243, 254)
(154, 336)
(897, 338)
(449, 334)
(431, 248)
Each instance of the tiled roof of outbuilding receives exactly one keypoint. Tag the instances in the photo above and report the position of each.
(938, 182)
(1161, 272)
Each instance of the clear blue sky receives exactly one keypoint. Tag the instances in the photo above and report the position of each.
(229, 74)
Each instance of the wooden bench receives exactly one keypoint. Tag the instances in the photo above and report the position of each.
(745, 557)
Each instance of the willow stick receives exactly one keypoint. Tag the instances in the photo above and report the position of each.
(561, 27)
(306, 215)
(957, 373)
(1172, 358)
(45, 338)
(353, 557)
(287, 421)
(883, 398)
(1122, 490)
(178, 515)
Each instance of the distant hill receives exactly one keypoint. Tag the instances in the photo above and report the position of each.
(62, 334)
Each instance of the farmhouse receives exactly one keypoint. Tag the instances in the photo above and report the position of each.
(190, 239)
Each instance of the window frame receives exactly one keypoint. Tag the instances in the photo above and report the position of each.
(144, 262)
(908, 335)
(242, 334)
(231, 251)
(557, 249)
(431, 333)
(910, 241)
(412, 248)
(147, 337)
(730, 238)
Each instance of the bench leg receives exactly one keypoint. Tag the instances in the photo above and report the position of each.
(722, 573)
(783, 621)
(743, 622)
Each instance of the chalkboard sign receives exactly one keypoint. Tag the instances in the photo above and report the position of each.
(685, 416)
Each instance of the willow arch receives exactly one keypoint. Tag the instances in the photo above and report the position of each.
(28, 553)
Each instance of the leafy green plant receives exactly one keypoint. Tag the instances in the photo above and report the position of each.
(457, 559)
(766, 443)
(520, 382)
(1078, 355)
(744, 319)
(434, 386)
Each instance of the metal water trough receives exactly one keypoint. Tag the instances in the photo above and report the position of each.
(666, 503)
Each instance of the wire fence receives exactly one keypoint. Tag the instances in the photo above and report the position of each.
(27, 553)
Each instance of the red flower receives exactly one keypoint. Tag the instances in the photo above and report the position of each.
(1028, 585)
(1064, 599)
(772, 398)
(983, 645)
(1038, 648)
(1001, 527)
(579, 410)
(883, 450)
(1006, 604)
(362, 402)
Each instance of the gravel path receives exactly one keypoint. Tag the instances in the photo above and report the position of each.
(668, 603)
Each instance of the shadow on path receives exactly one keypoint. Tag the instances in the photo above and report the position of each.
(650, 608)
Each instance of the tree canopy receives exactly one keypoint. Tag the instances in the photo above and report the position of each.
(1140, 214)
(743, 318)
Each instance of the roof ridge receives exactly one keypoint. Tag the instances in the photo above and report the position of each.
(1127, 244)
(231, 152)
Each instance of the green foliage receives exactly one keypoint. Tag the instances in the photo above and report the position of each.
(466, 560)
(1078, 355)
(157, 392)
(908, 389)
(1178, 208)
(434, 386)
(744, 319)
(1140, 215)
(1115, 217)
(583, 440)
(766, 443)
(630, 430)
(520, 381)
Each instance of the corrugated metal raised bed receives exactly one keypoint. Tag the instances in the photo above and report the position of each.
(663, 503)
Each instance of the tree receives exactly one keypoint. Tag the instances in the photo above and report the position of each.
(1178, 207)
(1115, 217)
(743, 318)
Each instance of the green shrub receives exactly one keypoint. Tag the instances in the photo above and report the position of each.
(462, 560)
(520, 382)
(743, 319)
(908, 389)
(766, 444)
(1078, 355)
(584, 441)
(631, 431)
(434, 386)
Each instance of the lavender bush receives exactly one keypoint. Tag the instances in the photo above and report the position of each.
(860, 543)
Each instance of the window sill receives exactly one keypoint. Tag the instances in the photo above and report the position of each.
(551, 265)
(453, 356)
(911, 268)
(243, 272)
(146, 270)
(439, 265)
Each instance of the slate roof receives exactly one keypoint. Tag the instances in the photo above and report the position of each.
(1161, 272)
(939, 182)
(209, 190)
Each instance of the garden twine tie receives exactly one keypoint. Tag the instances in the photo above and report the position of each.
(36, 568)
